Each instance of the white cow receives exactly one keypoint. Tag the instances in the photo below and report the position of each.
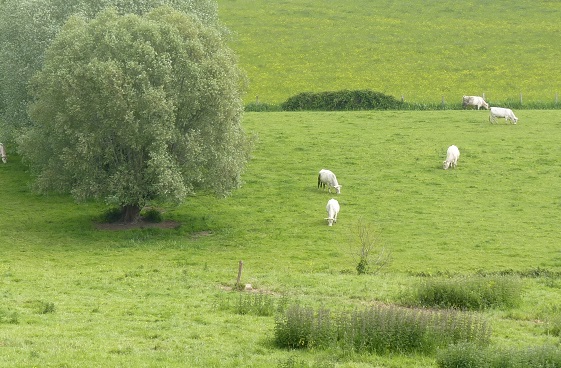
(3, 153)
(332, 209)
(452, 156)
(327, 178)
(501, 112)
(475, 101)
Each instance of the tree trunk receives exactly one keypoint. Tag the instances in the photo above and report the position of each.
(130, 213)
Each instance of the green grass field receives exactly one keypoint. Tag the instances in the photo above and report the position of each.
(422, 51)
(75, 296)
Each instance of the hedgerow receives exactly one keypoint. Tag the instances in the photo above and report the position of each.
(344, 100)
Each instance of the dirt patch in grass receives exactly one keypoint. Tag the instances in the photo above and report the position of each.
(140, 224)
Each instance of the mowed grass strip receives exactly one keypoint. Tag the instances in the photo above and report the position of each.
(151, 297)
(423, 51)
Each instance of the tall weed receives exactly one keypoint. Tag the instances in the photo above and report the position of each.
(379, 329)
(471, 355)
(468, 293)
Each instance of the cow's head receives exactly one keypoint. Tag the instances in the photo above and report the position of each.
(329, 221)
(338, 188)
(486, 105)
(446, 165)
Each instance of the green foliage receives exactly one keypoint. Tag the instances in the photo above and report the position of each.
(132, 109)
(469, 355)
(258, 304)
(252, 303)
(261, 107)
(469, 293)
(152, 215)
(27, 28)
(372, 257)
(8, 316)
(380, 329)
(341, 101)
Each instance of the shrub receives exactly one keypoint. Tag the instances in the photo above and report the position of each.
(153, 215)
(258, 304)
(344, 100)
(261, 107)
(468, 293)
(112, 215)
(380, 329)
(471, 355)
(371, 256)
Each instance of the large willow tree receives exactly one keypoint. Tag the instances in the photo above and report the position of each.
(132, 108)
(27, 27)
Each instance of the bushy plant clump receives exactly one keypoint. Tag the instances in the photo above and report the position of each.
(256, 304)
(379, 329)
(344, 100)
(468, 293)
(471, 355)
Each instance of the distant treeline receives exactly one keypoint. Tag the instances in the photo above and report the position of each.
(355, 100)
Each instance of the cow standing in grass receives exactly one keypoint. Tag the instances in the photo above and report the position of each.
(327, 178)
(332, 209)
(3, 153)
(501, 112)
(452, 156)
(474, 101)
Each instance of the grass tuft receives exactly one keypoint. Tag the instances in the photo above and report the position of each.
(472, 355)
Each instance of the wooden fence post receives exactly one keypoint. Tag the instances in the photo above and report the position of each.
(240, 269)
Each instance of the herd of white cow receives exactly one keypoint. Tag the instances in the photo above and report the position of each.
(327, 179)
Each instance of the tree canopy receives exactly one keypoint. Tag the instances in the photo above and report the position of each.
(133, 108)
(27, 27)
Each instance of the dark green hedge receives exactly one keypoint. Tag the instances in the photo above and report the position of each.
(344, 100)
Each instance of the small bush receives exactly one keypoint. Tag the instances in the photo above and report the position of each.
(152, 215)
(261, 107)
(468, 293)
(380, 329)
(345, 100)
(257, 304)
(471, 355)
(464, 355)
(112, 215)
(366, 249)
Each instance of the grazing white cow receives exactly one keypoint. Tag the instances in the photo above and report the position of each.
(327, 178)
(475, 101)
(452, 156)
(501, 112)
(3, 153)
(332, 209)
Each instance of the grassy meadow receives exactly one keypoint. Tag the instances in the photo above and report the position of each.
(422, 51)
(75, 296)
